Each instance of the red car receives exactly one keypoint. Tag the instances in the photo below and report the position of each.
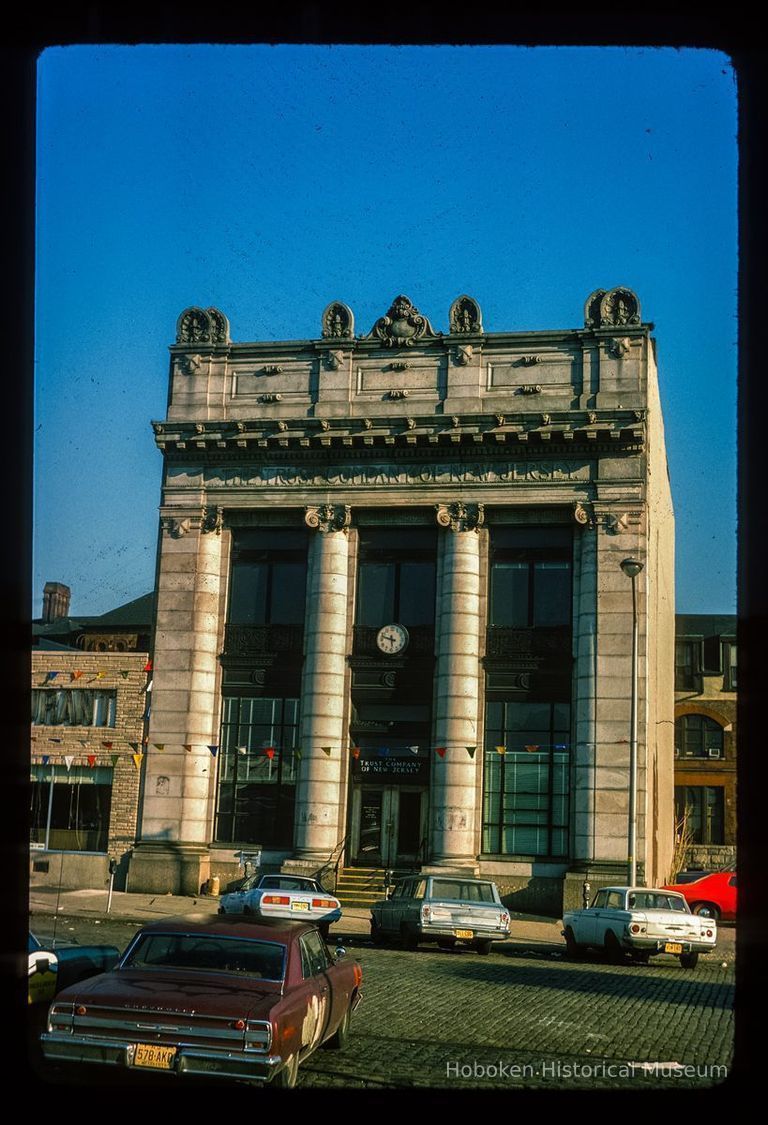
(714, 896)
(225, 997)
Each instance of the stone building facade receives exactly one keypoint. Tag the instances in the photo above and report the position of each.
(706, 685)
(88, 721)
(392, 627)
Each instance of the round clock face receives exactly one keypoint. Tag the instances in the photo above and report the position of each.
(392, 639)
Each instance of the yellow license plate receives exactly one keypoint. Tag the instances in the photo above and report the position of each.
(299, 906)
(464, 933)
(673, 947)
(159, 1058)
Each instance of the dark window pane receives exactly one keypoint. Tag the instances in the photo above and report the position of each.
(289, 582)
(417, 593)
(509, 594)
(248, 596)
(551, 593)
(531, 538)
(376, 595)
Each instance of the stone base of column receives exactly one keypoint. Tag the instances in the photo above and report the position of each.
(598, 873)
(304, 865)
(168, 868)
(464, 867)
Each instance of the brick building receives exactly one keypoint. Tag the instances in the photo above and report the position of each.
(88, 722)
(706, 684)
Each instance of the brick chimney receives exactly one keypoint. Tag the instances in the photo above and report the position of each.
(55, 601)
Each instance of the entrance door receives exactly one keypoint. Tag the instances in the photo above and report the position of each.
(388, 825)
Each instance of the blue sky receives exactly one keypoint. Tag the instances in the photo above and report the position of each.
(268, 181)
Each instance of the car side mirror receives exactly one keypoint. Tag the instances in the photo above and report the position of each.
(340, 952)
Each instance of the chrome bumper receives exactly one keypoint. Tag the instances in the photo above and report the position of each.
(188, 1060)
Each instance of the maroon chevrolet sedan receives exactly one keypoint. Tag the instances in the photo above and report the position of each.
(224, 997)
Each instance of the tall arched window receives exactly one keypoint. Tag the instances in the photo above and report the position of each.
(696, 736)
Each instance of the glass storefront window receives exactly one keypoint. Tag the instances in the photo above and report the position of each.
(70, 808)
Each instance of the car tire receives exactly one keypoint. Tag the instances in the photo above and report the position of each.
(641, 956)
(408, 939)
(446, 943)
(572, 947)
(377, 935)
(613, 950)
(483, 947)
(339, 1038)
(689, 960)
(247, 910)
(706, 910)
(286, 1078)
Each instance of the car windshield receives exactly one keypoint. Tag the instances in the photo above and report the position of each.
(646, 900)
(460, 891)
(264, 960)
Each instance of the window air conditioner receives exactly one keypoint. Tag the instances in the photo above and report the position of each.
(713, 752)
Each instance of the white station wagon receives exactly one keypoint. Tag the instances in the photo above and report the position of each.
(642, 921)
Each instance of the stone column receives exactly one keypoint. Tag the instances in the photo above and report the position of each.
(457, 688)
(179, 784)
(319, 796)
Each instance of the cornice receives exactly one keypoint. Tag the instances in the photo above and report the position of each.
(588, 431)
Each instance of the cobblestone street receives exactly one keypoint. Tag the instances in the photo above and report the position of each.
(524, 1016)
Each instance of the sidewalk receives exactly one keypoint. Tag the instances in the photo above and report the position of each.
(141, 908)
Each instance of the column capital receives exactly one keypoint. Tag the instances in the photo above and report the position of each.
(460, 517)
(328, 517)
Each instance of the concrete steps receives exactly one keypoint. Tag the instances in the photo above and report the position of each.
(362, 886)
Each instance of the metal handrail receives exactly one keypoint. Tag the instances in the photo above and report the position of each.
(329, 863)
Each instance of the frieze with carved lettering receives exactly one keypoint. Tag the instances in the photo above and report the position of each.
(367, 474)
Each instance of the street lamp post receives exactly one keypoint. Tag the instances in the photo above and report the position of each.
(632, 568)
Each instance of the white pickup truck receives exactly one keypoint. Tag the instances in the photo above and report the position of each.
(642, 921)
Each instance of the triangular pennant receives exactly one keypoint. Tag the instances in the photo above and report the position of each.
(83, 741)
(145, 716)
(326, 750)
(115, 758)
(68, 760)
(149, 686)
(159, 745)
(242, 750)
(560, 746)
(531, 749)
(187, 746)
(46, 759)
(501, 749)
(100, 675)
(137, 760)
(91, 760)
(50, 676)
(134, 746)
(270, 752)
(355, 752)
(440, 750)
(107, 745)
(148, 666)
(76, 675)
(214, 750)
(413, 749)
(383, 751)
(471, 751)
(124, 673)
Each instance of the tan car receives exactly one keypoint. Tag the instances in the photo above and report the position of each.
(443, 909)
